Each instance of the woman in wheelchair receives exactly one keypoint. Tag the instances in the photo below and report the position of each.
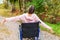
(30, 24)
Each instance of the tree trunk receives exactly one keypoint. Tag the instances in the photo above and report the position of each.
(23, 6)
(20, 4)
(5, 3)
(13, 7)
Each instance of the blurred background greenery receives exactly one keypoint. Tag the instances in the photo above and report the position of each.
(47, 10)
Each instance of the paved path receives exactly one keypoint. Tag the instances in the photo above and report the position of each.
(48, 36)
(10, 31)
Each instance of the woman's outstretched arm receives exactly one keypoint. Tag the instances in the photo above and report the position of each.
(16, 18)
(43, 24)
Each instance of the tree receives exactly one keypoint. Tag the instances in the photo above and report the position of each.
(53, 9)
(19, 4)
(38, 5)
(5, 3)
(13, 5)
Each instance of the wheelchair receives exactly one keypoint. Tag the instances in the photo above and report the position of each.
(30, 31)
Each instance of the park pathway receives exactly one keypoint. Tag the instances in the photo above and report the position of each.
(48, 36)
(10, 31)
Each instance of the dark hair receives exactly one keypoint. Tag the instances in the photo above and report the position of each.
(31, 10)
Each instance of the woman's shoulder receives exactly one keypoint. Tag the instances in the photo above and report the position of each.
(25, 14)
(34, 14)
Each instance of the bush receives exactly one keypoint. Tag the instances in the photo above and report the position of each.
(38, 5)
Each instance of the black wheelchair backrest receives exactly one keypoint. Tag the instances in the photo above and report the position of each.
(30, 29)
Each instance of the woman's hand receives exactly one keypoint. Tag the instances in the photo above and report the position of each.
(3, 21)
(51, 30)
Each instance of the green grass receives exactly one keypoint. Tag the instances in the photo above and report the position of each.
(55, 27)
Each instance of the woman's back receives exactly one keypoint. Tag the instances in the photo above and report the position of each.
(29, 19)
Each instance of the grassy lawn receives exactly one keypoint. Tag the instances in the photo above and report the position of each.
(55, 27)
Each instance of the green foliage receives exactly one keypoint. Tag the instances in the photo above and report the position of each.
(38, 5)
(53, 7)
(12, 1)
(55, 27)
